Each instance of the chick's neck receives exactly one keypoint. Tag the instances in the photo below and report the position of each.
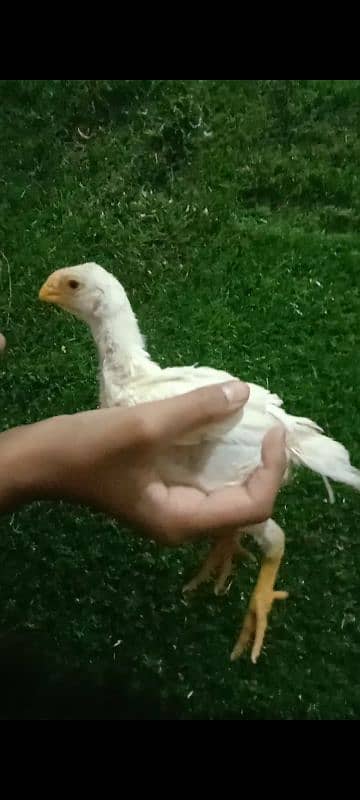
(121, 346)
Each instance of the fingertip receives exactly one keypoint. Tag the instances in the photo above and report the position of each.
(2, 343)
(236, 393)
(275, 437)
(274, 449)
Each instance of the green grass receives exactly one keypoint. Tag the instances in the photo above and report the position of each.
(230, 210)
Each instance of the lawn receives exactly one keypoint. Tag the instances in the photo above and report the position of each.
(230, 210)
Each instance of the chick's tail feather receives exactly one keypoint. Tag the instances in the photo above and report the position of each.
(307, 446)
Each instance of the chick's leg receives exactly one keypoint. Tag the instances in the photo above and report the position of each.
(272, 541)
(219, 563)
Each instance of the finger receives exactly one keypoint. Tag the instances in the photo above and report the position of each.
(191, 514)
(160, 421)
(171, 418)
(264, 483)
(236, 506)
(2, 343)
(273, 452)
(253, 501)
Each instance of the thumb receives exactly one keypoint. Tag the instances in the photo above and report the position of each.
(172, 418)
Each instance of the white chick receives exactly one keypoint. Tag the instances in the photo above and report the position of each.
(216, 455)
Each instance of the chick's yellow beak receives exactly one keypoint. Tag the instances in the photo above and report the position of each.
(50, 291)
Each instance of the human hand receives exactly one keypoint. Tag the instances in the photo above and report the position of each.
(106, 459)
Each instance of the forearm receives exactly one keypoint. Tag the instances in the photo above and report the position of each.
(64, 457)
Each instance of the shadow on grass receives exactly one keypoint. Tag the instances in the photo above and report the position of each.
(33, 685)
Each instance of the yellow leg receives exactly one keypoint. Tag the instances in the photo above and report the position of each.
(226, 566)
(263, 596)
(208, 568)
(219, 562)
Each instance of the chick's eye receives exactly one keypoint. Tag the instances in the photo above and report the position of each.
(73, 284)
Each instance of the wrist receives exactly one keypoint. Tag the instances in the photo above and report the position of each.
(11, 469)
(29, 469)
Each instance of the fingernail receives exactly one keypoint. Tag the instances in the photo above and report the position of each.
(236, 393)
